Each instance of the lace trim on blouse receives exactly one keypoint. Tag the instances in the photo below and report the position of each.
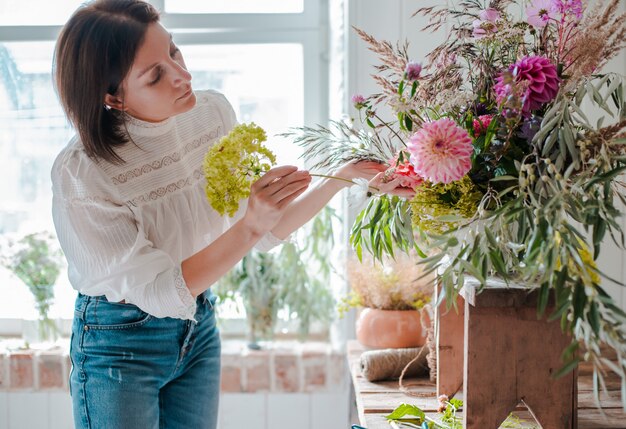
(189, 304)
(168, 159)
(162, 191)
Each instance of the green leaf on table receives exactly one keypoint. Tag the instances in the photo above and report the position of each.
(406, 410)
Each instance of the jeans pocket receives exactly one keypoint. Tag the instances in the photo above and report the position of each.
(103, 315)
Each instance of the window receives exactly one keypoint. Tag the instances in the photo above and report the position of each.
(266, 57)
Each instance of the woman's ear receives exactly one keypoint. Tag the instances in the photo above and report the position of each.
(114, 102)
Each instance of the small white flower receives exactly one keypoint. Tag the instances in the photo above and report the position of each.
(358, 194)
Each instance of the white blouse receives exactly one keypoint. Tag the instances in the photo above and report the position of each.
(125, 229)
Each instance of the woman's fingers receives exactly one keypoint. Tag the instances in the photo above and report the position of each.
(285, 201)
(273, 174)
(377, 180)
(286, 180)
(386, 187)
(277, 188)
(392, 187)
(291, 187)
(368, 169)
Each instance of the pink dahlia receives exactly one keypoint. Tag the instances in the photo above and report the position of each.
(540, 12)
(441, 151)
(481, 124)
(537, 75)
(405, 172)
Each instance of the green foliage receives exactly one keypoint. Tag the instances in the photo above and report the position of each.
(296, 279)
(256, 280)
(416, 417)
(37, 261)
(383, 225)
(333, 146)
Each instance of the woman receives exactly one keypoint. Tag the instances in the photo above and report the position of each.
(142, 243)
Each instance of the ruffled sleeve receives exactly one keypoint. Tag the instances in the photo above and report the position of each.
(106, 248)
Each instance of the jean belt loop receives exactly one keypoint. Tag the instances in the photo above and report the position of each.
(80, 311)
(207, 296)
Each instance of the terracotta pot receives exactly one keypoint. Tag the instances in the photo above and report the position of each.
(381, 329)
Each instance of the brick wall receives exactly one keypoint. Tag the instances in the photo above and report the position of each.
(289, 384)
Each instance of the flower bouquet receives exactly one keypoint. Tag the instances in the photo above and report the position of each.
(511, 177)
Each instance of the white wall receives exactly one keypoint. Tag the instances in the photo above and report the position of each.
(393, 22)
(245, 410)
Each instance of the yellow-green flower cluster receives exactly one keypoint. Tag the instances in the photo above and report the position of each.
(431, 201)
(233, 165)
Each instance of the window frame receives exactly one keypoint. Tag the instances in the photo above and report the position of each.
(308, 28)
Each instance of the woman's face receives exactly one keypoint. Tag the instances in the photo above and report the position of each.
(158, 85)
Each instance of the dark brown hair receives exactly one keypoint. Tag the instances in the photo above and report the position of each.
(93, 55)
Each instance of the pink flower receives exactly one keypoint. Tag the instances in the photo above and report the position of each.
(358, 101)
(569, 8)
(489, 15)
(540, 12)
(413, 71)
(486, 24)
(442, 403)
(481, 124)
(405, 172)
(538, 77)
(441, 151)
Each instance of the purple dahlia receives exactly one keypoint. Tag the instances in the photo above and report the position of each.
(537, 75)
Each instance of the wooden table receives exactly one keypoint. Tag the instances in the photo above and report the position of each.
(376, 400)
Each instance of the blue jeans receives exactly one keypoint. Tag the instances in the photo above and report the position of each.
(132, 370)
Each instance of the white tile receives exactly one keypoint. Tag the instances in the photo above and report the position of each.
(4, 410)
(60, 410)
(28, 410)
(243, 410)
(330, 410)
(288, 410)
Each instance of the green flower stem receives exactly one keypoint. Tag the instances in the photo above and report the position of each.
(341, 178)
(391, 129)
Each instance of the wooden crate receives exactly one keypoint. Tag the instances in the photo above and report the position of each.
(502, 354)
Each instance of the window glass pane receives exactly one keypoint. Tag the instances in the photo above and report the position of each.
(269, 93)
(37, 12)
(33, 129)
(234, 6)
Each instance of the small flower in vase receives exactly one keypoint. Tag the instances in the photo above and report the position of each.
(481, 124)
(540, 12)
(359, 101)
(402, 169)
(413, 71)
(486, 25)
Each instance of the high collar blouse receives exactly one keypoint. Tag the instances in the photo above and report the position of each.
(125, 229)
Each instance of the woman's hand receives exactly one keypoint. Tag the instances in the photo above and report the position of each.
(392, 187)
(365, 169)
(271, 194)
